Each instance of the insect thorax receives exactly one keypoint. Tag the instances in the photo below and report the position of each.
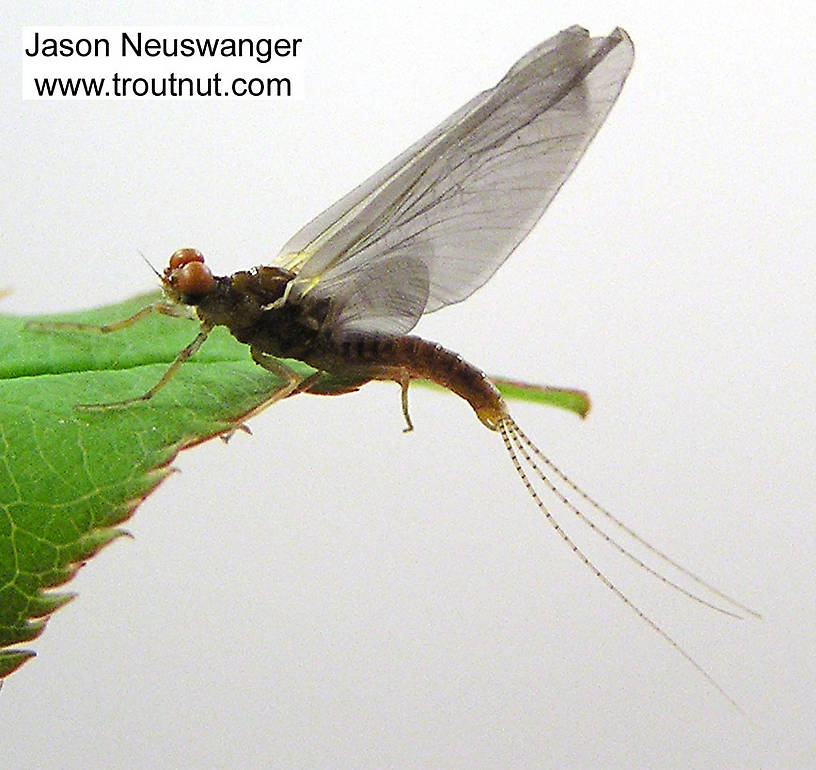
(250, 304)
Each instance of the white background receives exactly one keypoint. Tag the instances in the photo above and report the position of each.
(332, 593)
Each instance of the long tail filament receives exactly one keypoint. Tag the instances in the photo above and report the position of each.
(523, 452)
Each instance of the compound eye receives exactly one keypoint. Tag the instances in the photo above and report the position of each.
(184, 257)
(194, 279)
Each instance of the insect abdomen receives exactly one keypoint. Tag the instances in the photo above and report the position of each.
(410, 357)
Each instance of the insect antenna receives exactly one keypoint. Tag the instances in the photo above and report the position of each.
(150, 265)
(517, 445)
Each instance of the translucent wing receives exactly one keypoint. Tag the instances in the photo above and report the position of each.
(462, 198)
(387, 297)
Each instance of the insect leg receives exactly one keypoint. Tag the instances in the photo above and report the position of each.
(171, 371)
(292, 383)
(165, 308)
(403, 383)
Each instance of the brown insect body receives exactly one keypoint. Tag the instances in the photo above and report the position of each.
(407, 357)
(253, 305)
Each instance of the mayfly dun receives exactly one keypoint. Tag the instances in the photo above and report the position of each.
(424, 232)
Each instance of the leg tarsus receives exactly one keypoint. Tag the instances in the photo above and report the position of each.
(403, 383)
(163, 307)
(227, 435)
(168, 375)
(292, 383)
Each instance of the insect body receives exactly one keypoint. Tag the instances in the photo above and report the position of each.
(424, 232)
(253, 305)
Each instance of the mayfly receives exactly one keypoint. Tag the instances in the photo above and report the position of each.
(424, 232)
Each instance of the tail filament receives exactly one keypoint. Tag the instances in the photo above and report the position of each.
(525, 454)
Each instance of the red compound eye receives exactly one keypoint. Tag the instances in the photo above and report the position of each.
(184, 257)
(194, 278)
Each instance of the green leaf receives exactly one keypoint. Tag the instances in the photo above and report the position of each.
(69, 477)
(571, 399)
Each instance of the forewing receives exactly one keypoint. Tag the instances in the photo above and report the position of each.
(462, 197)
(388, 298)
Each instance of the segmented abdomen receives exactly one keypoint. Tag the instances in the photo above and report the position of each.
(411, 357)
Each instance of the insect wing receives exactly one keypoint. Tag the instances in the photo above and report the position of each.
(387, 297)
(465, 195)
